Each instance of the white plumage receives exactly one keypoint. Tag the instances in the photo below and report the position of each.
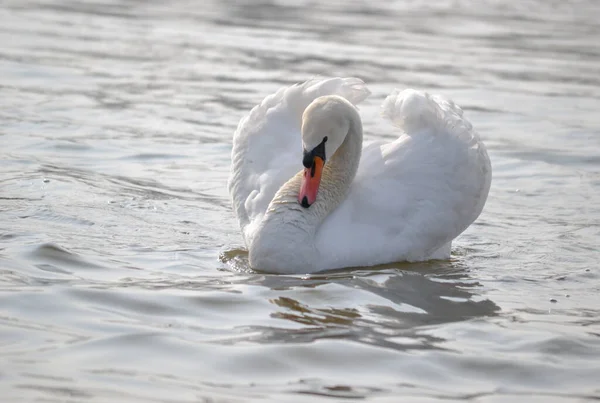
(409, 199)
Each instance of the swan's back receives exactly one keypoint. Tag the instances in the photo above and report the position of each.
(411, 196)
(267, 148)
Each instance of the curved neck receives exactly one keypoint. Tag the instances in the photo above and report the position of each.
(288, 229)
(338, 174)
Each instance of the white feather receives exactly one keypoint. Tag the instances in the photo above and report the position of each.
(410, 198)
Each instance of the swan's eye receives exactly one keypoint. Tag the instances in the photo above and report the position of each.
(307, 161)
(318, 151)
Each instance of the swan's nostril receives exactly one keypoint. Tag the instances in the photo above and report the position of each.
(305, 202)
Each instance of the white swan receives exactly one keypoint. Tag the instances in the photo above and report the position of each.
(404, 200)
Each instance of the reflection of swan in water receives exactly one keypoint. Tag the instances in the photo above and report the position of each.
(382, 303)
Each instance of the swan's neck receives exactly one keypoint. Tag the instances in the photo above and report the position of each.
(288, 229)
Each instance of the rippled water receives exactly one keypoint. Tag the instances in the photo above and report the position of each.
(121, 273)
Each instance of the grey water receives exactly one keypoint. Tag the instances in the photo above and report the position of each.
(122, 271)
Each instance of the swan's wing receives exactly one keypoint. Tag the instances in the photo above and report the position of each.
(414, 195)
(267, 147)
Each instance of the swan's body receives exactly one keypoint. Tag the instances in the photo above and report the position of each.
(404, 200)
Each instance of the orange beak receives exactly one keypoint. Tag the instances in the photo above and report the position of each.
(311, 182)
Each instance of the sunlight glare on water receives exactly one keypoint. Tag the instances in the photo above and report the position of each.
(123, 276)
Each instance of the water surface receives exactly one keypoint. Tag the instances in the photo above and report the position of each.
(121, 271)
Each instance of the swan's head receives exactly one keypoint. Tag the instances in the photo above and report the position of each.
(325, 124)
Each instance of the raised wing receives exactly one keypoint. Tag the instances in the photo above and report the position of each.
(411, 196)
(267, 147)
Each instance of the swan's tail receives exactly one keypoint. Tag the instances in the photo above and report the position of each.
(414, 111)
